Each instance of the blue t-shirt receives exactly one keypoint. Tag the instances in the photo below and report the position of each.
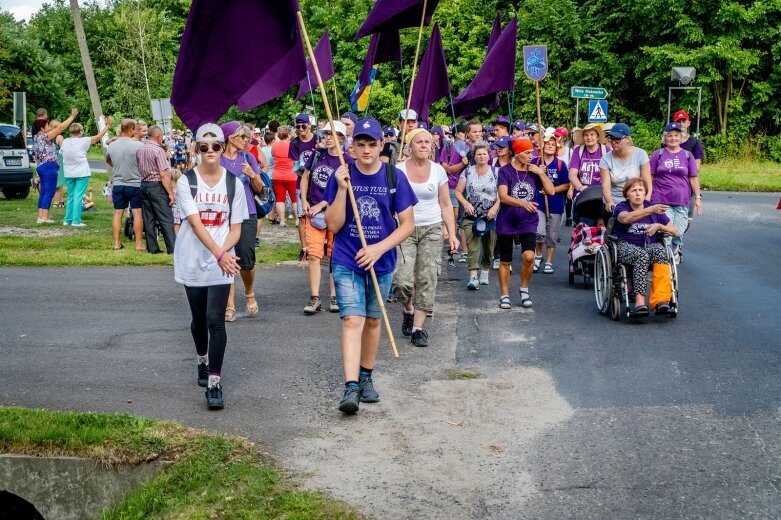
(377, 217)
(320, 172)
(234, 166)
(513, 220)
(634, 233)
(558, 173)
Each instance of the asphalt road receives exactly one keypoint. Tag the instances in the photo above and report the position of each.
(667, 418)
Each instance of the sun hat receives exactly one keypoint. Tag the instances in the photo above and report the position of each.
(210, 128)
(577, 133)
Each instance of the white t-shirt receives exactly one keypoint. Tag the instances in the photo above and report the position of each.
(194, 264)
(427, 211)
(623, 170)
(74, 157)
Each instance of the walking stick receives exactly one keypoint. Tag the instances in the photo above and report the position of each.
(356, 213)
(542, 156)
(414, 70)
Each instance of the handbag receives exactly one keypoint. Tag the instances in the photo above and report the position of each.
(318, 220)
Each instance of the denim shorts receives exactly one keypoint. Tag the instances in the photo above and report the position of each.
(124, 196)
(355, 292)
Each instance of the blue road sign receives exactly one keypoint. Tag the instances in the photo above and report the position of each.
(535, 61)
(597, 111)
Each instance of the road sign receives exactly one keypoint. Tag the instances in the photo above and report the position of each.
(588, 93)
(597, 111)
(535, 61)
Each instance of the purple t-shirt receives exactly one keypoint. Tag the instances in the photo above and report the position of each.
(634, 233)
(670, 173)
(301, 151)
(587, 164)
(234, 166)
(377, 216)
(320, 172)
(513, 220)
(455, 158)
(558, 173)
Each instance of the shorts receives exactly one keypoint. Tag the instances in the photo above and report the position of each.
(355, 292)
(299, 207)
(548, 228)
(284, 187)
(245, 247)
(453, 199)
(126, 195)
(506, 243)
(316, 241)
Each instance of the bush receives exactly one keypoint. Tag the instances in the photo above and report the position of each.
(773, 143)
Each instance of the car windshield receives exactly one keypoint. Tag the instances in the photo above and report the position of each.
(11, 137)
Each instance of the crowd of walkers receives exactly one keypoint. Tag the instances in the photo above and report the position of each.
(475, 192)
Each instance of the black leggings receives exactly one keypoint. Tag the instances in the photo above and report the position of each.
(207, 305)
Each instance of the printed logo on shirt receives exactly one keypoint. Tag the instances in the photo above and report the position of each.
(637, 228)
(523, 190)
(368, 208)
(321, 175)
(305, 155)
(675, 162)
(210, 218)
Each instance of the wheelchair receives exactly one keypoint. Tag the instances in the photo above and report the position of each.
(613, 280)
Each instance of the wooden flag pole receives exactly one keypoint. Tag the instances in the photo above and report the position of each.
(542, 155)
(336, 98)
(414, 71)
(378, 293)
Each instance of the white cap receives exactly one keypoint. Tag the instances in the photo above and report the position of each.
(550, 133)
(408, 115)
(340, 128)
(256, 131)
(210, 128)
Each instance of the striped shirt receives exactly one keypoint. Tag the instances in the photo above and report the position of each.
(151, 161)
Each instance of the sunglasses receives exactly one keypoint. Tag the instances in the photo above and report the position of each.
(215, 147)
(615, 139)
(302, 127)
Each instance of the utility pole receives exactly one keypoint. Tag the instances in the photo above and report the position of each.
(92, 87)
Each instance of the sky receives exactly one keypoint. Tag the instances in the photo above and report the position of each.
(21, 9)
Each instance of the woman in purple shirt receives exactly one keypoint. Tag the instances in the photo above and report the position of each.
(637, 224)
(674, 173)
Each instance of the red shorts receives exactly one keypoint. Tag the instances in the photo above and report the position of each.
(281, 187)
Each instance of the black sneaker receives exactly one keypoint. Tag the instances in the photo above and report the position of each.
(368, 393)
(203, 374)
(214, 397)
(406, 323)
(420, 338)
(349, 403)
(302, 255)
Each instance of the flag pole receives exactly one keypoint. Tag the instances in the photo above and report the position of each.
(356, 213)
(452, 111)
(336, 98)
(401, 73)
(540, 133)
(414, 71)
(311, 93)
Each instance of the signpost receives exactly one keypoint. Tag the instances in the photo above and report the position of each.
(597, 111)
(586, 93)
(535, 65)
(161, 113)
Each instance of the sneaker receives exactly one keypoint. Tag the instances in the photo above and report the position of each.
(483, 277)
(66, 223)
(537, 262)
(214, 397)
(332, 305)
(495, 264)
(203, 374)
(80, 224)
(548, 269)
(368, 393)
(464, 258)
(257, 242)
(351, 399)
(406, 323)
(420, 338)
(313, 306)
(451, 262)
(473, 284)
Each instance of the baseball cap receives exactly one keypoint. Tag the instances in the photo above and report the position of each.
(681, 114)
(349, 115)
(256, 130)
(488, 128)
(520, 125)
(209, 128)
(423, 125)
(368, 127)
(445, 129)
(389, 130)
(549, 134)
(407, 115)
(501, 120)
(673, 127)
(620, 130)
(302, 119)
(340, 128)
(502, 142)
(532, 129)
(562, 132)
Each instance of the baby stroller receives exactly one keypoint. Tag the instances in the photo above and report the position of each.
(587, 237)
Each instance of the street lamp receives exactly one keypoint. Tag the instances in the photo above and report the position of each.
(684, 76)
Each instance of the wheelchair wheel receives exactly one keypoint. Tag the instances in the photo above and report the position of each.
(603, 280)
(571, 274)
(615, 308)
(674, 273)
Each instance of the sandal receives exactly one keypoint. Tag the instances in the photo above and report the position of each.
(548, 269)
(120, 247)
(504, 302)
(640, 311)
(252, 308)
(662, 309)
(230, 314)
(537, 262)
(526, 300)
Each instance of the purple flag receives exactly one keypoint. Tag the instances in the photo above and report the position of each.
(395, 14)
(496, 31)
(214, 69)
(432, 82)
(496, 74)
(383, 47)
(325, 62)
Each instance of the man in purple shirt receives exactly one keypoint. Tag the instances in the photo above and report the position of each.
(301, 148)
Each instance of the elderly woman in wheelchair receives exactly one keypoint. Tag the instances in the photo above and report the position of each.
(637, 243)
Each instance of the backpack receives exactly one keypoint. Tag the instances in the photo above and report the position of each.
(230, 187)
(395, 147)
(582, 147)
(658, 153)
(265, 198)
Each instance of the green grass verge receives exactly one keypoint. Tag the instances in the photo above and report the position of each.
(741, 176)
(95, 153)
(458, 374)
(30, 244)
(212, 476)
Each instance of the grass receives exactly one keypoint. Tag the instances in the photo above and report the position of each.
(461, 375)
(95, 152)
(52, 245)
(741, 176)
(212, 476)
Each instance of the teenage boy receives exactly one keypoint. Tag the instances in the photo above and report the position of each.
(359, 307)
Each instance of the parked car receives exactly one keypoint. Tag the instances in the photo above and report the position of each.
(16, 175)
(30, 149)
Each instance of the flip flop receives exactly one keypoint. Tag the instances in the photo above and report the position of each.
(120, 247)
(252, 309)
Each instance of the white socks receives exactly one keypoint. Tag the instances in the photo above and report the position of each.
(203, 360)
(214, 381)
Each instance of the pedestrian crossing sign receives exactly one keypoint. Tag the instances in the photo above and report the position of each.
(597, 111)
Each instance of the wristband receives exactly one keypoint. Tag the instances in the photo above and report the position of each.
(698, 196)
(220, 257)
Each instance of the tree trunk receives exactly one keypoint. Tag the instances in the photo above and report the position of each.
(92, 87)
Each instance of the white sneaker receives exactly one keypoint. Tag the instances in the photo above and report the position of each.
(495, 265)
(483, 277)
(473, 284)
(80, 224)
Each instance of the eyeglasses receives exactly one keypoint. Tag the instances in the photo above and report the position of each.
(302, 127)
(615, 139)
(215, 147)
